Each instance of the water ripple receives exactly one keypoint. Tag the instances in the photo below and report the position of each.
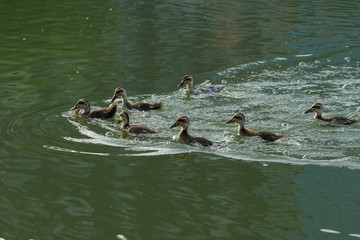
(272, 100)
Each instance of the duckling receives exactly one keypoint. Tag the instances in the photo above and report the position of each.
(239, 118)
(119, 91)
(84, 105)
(318, 109)
(135, 128)
(189, 81)
(183, 135)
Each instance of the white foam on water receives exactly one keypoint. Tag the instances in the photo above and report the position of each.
(330, 231)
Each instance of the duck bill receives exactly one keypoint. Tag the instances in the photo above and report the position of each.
(114, 98)
(75, 108)
(229, 121)
(308, 111)
(120, 121)
(181, 84)
(174, 125)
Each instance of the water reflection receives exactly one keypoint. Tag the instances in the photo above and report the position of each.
(207, 203)
(152, 198)
(70, 178)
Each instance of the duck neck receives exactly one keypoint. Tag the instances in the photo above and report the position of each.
(318, 116)
(241, 128)
(189, 86)
(126, 123)
(87, 109)
(183, 132)
(124, 100)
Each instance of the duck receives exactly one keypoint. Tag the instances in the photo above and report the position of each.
(84, 105)
(135, 128)
(189, 81)
(239, 118)
(318, 108)
(183, 135)
(141, 106)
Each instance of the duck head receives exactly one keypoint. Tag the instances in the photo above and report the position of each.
(119, 91)
(82, 104)
(124, 117)
(181, 121)
(317, 108)
(186, 80)
(238, 118)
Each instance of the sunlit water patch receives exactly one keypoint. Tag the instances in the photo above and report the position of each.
(272, 94)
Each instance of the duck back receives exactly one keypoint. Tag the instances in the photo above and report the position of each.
(268, 136)
(104, 112)
(147, 106)
(186, 138)
(138, 128)
(339, 120)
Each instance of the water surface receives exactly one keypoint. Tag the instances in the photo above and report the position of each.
(67, 177)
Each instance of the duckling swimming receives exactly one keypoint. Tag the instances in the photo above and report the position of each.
(189, 81)
(135, 128)
(183, 135)
(318, 109)
(84, 105)
(119, 91)
(239, 118)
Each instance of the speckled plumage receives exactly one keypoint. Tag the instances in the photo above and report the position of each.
(84, 105)
(239, 118)
(318, 109)
(183, 135)
(141, 106)
(134, 128)
(189, 82)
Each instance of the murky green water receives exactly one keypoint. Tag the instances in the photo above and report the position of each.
(68, 177)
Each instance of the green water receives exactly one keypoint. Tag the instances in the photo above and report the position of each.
(67, 177)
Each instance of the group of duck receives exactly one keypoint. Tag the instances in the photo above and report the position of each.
(183, 122)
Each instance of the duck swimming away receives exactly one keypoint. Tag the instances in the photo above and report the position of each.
(189, 82)
(318, 109)
(135, 128)
(183, 135)
(239, 118)
(84, 105)
(141, 106)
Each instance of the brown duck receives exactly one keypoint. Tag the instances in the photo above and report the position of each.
(239, 118)
(183, 135)
(84, 106)
(318, 108)
(119, 91)
(135, 128)
(189, 82)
